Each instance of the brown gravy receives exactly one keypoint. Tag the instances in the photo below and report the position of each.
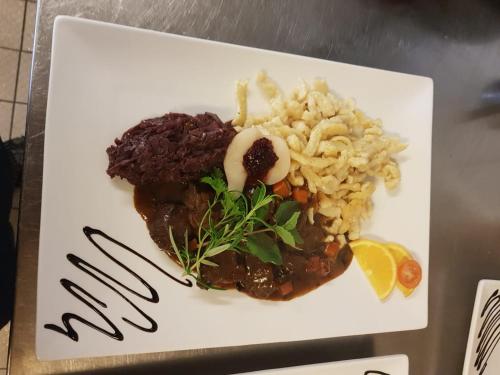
(180, 206)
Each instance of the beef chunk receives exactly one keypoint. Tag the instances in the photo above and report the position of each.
(259, 278)
(165, 216)
(228, 273)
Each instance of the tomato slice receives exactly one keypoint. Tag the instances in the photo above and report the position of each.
(409, 273)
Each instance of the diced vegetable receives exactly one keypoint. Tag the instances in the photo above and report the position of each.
(286, 288)
(324, 267)
(282, 189)
(300, 195)
(313, 264)
(409, 273)
(332, 249)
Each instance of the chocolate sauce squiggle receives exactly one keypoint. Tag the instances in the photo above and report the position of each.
(375, 372)
(489, 333)
(91, 301)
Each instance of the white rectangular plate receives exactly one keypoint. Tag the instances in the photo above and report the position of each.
(390, 365)
(483, 353)
(106, 78)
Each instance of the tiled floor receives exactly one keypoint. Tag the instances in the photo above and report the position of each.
(17, 21)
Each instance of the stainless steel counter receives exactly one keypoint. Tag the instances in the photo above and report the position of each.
(458, 46)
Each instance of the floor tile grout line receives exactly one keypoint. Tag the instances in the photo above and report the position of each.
(18, 68)
(15, 49)
(12, 101)
(10, 49)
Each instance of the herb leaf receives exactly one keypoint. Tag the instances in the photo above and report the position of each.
(216, 181)
(258, 194)
(292, 222)
(296, 236)
(265, 248)
(176, 249)
(285, 235)
(209, 263)
(216, 250)
(285, 211)
(262, 213)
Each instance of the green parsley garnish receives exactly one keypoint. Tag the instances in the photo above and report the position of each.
(234, 222)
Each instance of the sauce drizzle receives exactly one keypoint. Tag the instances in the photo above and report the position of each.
(91, 301)
(489, 333)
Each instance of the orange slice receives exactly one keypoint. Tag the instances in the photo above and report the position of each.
(378, 265)
(400, 253)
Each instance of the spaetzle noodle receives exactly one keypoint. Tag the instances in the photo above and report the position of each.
(336, 150)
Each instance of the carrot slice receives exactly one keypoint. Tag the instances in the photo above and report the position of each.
(300, 195)
(313, 264)
(286, 288)
(281, 188)
(331, 249)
